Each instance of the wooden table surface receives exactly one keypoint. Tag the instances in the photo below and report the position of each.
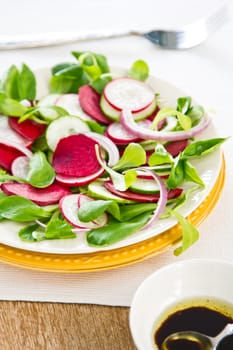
(55, 326)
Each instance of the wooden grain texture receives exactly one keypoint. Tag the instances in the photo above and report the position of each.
(53, 326)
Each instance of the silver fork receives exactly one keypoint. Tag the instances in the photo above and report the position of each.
(187, 37)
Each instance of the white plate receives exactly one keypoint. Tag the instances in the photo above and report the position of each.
(208, 169)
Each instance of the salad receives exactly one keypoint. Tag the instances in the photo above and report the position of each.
(99, 154)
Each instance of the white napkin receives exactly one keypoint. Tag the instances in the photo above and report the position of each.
(204, 72)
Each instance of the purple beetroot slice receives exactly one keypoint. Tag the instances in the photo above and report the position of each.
(140, 197)
(29, 128)
(8, 155)
(175, 147)
(89, 100)
(40, 196)
(75, 156)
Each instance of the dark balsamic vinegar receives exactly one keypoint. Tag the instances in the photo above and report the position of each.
(201, 319)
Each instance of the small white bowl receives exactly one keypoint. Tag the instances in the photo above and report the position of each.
(174, 284)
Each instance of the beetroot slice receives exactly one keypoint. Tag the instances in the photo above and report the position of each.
(89, 100)
(75, 156)
(8, 155)
(175, 147)
(29, 128)
(140, 197)
(40, 196)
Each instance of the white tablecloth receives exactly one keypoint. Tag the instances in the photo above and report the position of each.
(205, 72)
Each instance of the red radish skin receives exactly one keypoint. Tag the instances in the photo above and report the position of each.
(75, 156)
(174, 148)
(139, 197)
(78, 181)
(89, 100)
(8, 155)
(28, 129)
(40, 196)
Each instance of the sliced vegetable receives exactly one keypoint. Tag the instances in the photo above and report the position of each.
(20, 167)
(120, 136)
(129, 93)
(7, 156)
(28, 129)
(107, 145)
(89, 100)
(75, 156)
(131, 126)
(62, 127)
(8, 134)
(70, 102)
(114, 114)
(78, 181)
(139, 197)
(40, 196)
(175, 147)
(69, 207)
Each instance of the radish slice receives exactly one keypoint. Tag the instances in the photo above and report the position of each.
(62, 127)
(163, 196)
(69, 206)
(128, 93)
(48, 100)
(129, 124)
(70, 102)
(139, 197)
(119, 135)
(28, 129)
(75, 156)
(20, 167)
(41, 196)
(89, 100)
(8, 134)
(78, 181)
(107, 145)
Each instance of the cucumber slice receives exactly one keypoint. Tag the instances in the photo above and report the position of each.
(114, 114)
(49, 100)
(108, 110)
(128, 93)
(97, 190)
(62, 127)
(148, 186)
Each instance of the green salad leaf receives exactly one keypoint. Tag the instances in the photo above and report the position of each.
(41, 174)
(189, 233)
(20, 209)
(134, 155)
(139, 70)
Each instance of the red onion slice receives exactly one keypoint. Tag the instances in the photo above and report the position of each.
(162, 199)
(108, 145)
(127, 120)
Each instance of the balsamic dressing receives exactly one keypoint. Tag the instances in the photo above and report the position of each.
(203, 319)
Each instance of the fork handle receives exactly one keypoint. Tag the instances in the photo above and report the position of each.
(58, 38)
